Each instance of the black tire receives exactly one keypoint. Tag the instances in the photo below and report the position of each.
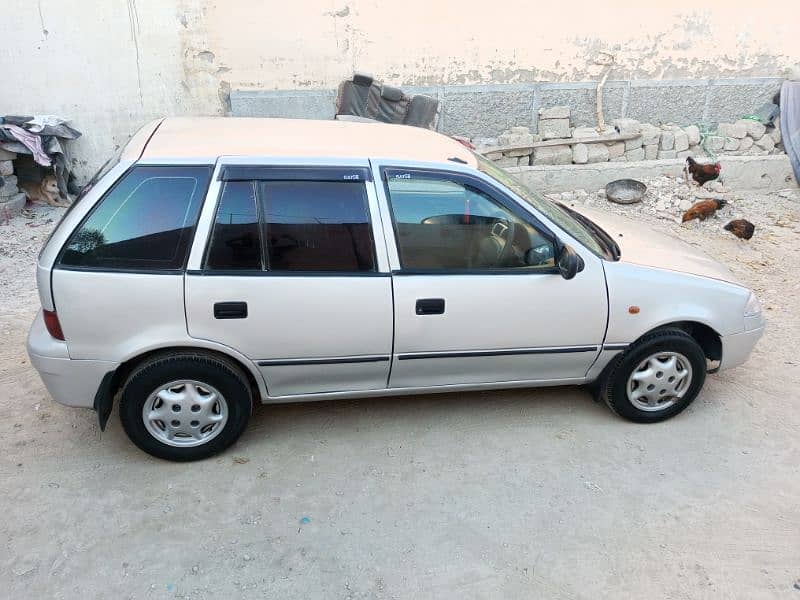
(220, 373)
(615, 392)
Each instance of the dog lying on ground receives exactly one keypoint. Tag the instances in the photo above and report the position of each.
(45, 191)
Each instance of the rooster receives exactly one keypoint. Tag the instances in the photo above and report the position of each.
(703, 209)
(702, 173)
(741, 228)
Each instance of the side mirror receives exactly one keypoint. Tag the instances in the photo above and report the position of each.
(569, 263)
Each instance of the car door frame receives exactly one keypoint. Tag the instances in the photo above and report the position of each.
(290, 368)
(505, 197)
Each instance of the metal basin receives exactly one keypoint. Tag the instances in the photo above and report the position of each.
(625, 191)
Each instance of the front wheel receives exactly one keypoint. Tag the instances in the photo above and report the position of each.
(657, 377)
(185, 406)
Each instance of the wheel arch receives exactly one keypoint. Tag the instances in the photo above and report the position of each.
(706, 337)
(113, 381)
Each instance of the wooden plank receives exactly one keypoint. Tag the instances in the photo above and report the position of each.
(566, 142)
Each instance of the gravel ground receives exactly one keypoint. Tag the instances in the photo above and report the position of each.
(516, 494)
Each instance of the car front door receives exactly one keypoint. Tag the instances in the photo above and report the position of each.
(478, 298)
(292, 278)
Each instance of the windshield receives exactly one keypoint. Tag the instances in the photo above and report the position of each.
(593, 240)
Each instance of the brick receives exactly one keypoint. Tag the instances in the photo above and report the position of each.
(650, 134)
(555, 112)
(8, 185)
(551, 129)
(667, 140)
(634, 155)
(715, 143)
(507, 161)
(681, 141)
(746, 143)
(651, 152)
(625, 126)
(684, 153)
(732, 130)
(552, 155)
(598, 153)
(616, 150)
(664, 154)
(765, 143)
(693, 132)
(6, 167)
(11, 205)
(6, 155)
(634, 143)
(515, 139)
(731, 144)
(580, 154)
(520, 130)
(775, 134)
(753, 128)
(589, 153)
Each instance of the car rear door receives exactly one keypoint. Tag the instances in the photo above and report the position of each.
(291, 275)
(463, 315)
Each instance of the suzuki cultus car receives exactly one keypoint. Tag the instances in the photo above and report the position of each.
(218, 263)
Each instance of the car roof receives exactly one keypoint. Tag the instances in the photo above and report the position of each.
(184, 138)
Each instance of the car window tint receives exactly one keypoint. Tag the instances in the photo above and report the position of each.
(236, 239)
(442, 224)
(144, 222)
(317, 226)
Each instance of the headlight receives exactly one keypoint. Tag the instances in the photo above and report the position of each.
(753, 306)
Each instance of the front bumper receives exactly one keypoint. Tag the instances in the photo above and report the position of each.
(70, 382)
(736, 348)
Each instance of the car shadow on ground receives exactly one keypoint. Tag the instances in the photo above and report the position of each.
(278, 424)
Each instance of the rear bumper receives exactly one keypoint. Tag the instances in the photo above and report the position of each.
(736, 348)
(70, 382)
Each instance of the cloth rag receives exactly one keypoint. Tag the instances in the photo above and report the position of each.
(31, 141)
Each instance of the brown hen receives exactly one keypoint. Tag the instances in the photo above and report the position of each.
(703, 209)
(741, 228)
(702, 173)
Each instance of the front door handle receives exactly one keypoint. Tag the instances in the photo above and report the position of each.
(230, 310)
(430, 306)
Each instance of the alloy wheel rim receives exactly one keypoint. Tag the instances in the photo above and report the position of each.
(659, 381)
(185, 413)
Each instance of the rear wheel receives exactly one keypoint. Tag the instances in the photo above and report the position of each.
(185, 406)
(657, 377)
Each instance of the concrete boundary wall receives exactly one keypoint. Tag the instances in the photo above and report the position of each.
(766, 173)
(487, 110)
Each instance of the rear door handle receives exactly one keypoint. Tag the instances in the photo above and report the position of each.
(230, 310)
(430, 306)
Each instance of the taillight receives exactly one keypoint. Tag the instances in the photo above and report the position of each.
(52, 324)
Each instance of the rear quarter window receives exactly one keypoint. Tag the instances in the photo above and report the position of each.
(144, 222)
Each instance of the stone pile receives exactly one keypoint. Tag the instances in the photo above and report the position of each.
(643, 141)
(745, 137)
(11, 198)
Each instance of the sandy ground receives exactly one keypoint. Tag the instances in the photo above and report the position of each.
(520, 494)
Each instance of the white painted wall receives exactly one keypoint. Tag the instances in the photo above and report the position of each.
(108, 65)
(112, 65)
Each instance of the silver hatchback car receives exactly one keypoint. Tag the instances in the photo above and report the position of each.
(221, 262)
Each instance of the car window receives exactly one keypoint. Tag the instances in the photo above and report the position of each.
(316, 226)
(145, 221)
(443, 224)
(549, 209)
(236, 238)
